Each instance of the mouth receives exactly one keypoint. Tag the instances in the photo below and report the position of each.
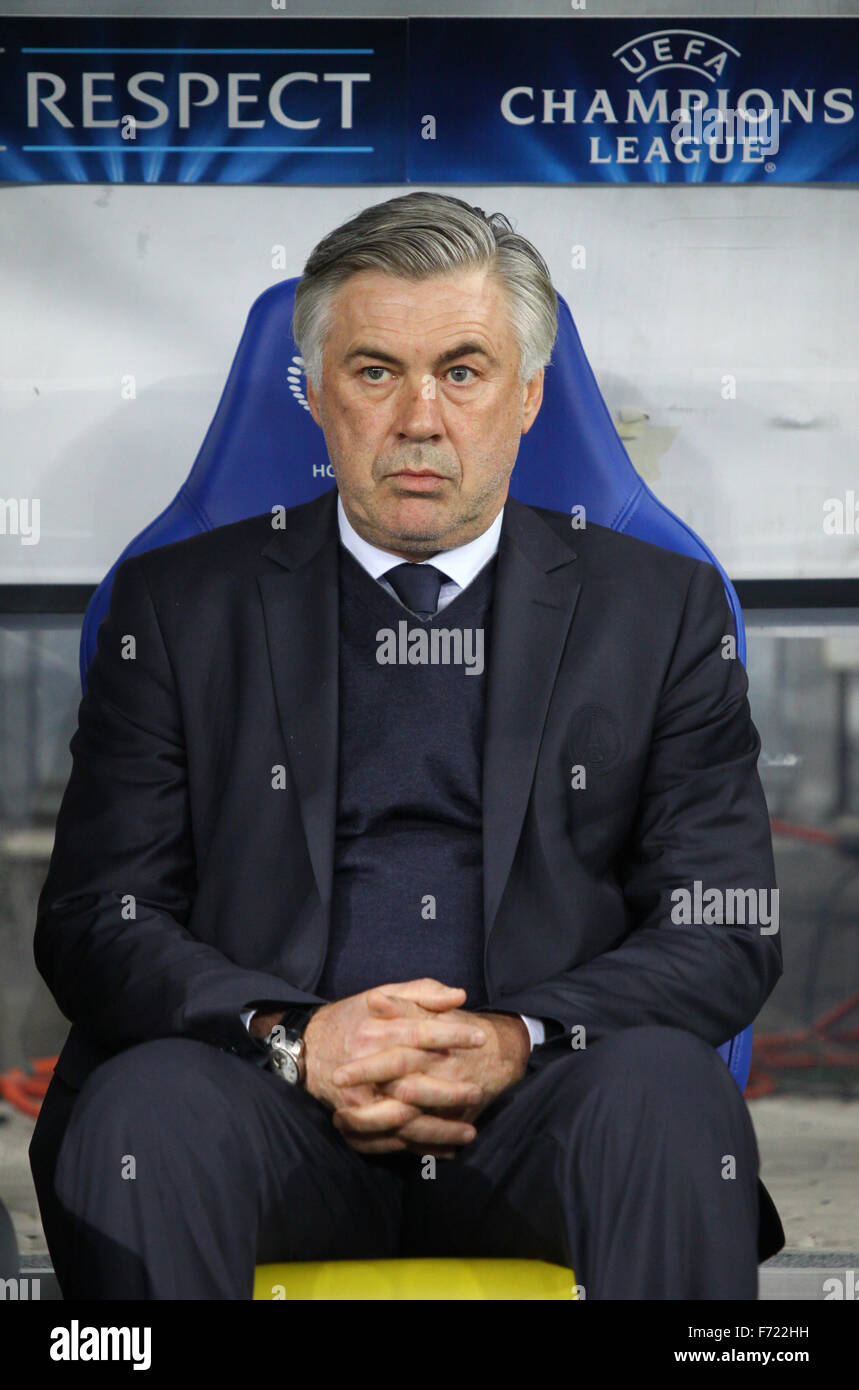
(423, 480)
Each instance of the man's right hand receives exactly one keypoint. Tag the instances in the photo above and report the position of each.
(347, 1029)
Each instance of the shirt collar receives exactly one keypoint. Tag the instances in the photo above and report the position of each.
(461, 564)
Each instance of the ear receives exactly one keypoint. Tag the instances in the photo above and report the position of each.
(313, 401)
(533, 400)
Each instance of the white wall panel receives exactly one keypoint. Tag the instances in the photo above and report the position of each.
(682, 285)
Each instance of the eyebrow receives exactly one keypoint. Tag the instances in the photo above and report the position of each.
(464, 349)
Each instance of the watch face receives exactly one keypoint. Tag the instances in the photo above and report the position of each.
(290, 1070)
(284, 1062)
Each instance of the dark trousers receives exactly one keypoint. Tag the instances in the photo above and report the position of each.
(178, 1167)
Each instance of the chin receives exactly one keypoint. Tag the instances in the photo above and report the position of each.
(421, 528)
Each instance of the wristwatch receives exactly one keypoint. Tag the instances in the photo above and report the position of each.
(285, 1044)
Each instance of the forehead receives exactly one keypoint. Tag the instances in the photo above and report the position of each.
(441, 304)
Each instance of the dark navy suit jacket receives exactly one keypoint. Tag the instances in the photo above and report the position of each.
(184, 886)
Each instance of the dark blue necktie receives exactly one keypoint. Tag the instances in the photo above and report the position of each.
(417, 586)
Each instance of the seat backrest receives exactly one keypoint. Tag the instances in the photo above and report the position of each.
(263, 449)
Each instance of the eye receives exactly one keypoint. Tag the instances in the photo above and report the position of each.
(377, 380)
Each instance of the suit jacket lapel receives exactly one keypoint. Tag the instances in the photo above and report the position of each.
(536, 591)
(300, 603)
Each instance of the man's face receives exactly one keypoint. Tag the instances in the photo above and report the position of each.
(421, 407)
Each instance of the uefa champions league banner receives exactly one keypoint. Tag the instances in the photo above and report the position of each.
(623, 100)
(574, 100)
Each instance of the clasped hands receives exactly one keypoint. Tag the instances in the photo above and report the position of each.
(402, 1066)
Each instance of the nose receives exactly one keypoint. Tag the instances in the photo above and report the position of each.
(418, 411)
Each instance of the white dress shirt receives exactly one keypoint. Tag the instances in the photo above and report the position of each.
(461, 565)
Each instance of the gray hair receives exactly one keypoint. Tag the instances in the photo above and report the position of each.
(415, 237)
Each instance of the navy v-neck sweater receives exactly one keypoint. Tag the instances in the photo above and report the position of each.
(408, 868)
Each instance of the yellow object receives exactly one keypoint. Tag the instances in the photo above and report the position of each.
(414, 1279)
